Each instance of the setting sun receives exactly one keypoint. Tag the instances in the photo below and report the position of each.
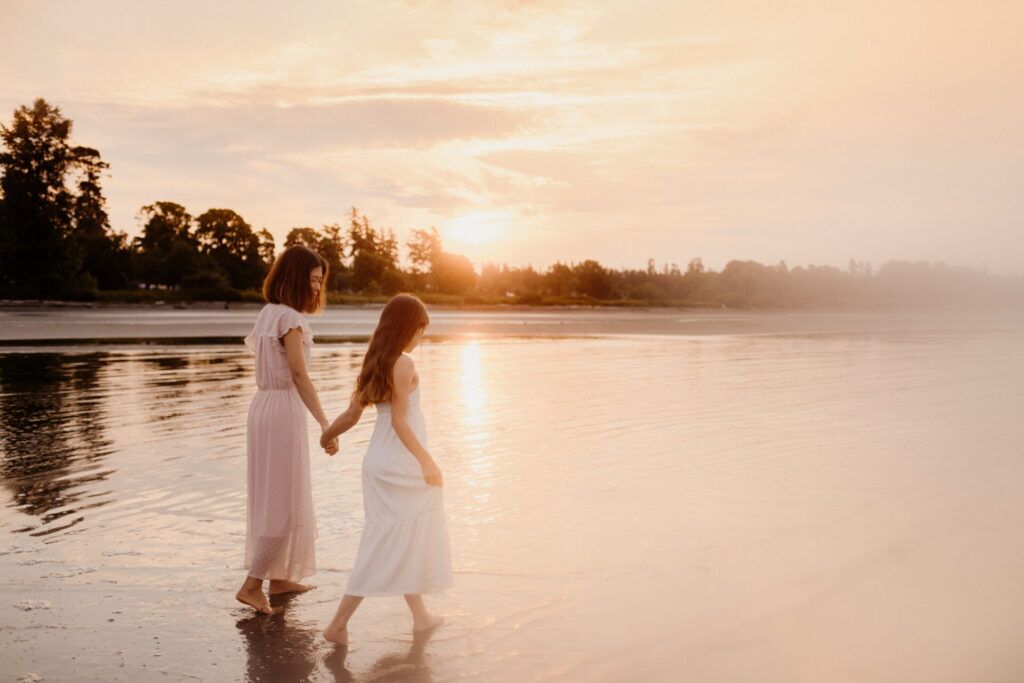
(479, 227)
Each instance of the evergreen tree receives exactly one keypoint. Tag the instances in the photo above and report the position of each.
(374, 256)
(54, 241)
(103, 256)
(37, 258)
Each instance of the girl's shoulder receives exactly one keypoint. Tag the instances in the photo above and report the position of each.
(404, 368)
(405, 372)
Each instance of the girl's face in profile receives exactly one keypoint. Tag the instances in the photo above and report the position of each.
(415, 341)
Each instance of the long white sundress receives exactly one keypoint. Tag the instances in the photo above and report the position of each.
(404, 548)
(280, 531)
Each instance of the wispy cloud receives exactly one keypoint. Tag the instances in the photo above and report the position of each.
(748, 130)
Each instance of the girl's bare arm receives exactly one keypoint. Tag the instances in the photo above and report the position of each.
(344, 422)
(402, 385)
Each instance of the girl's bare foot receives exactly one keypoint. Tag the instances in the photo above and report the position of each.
(336, 635)
(428, 624)
(279, 587)
(256, 599)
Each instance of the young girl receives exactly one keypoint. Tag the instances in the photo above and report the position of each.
(280, 527)
(404, 547)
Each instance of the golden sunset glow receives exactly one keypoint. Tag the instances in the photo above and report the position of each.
(478, 228)
(474, 394)
(474, 420)
(530, 132)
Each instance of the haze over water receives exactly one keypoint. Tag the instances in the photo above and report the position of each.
(836, 499)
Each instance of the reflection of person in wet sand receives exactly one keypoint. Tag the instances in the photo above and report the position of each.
(405, 666)
(280, 523)
(278, 648)
(404, 547)
(281, 648)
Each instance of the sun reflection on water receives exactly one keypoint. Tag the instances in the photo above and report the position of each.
(475, 419)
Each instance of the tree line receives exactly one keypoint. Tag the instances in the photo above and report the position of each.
(56, 241)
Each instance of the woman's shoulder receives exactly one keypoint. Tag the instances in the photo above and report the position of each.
(273, 312)
(279, 309)
(276, 320)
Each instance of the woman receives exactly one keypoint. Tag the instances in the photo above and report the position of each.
(280, 525)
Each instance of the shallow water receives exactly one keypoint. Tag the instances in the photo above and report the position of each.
(841, 505)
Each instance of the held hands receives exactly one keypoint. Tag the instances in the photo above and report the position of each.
(329, 445)
(432, 473)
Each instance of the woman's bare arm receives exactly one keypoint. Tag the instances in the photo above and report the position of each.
(300, 375)
(402, 385)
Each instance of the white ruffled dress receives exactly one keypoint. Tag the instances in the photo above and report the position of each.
(404, 548)
(280, 522)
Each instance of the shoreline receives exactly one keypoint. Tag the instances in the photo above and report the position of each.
(376, 303)
(38, 304)
(253, 298)
(49, 327)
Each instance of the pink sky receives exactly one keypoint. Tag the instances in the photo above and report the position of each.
(530, 132)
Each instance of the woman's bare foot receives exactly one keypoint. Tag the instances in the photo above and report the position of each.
(256, 599)
(279, 587)
(336, 635)
(429, 624)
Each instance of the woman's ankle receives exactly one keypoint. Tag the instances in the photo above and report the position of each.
(252, 584)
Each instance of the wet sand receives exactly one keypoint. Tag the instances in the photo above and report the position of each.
(833, 505)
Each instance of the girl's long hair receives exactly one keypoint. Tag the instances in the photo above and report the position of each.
(402, 317)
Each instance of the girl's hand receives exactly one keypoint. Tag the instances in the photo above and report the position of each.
(329, 445)
(432, 474)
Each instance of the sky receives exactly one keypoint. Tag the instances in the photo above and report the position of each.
(532, 132)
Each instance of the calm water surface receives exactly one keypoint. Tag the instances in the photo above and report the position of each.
(840, 506)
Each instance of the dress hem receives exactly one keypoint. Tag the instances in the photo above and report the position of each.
(440, 588)
(300, 576)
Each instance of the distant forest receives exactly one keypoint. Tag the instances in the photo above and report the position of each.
(56, 242)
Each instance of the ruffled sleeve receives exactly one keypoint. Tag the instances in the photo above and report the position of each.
(289, 319)
(274, 322)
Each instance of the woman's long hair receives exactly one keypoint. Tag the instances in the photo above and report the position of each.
(288, 280)
(401, 318)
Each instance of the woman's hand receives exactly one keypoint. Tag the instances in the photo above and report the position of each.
(432, 473)
(328, 444)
